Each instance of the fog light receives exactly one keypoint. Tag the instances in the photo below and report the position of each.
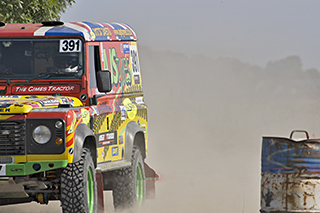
(36, 167)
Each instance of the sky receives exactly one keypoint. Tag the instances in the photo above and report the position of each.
(254, 31)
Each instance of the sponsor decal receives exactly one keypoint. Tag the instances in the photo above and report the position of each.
(115, 151)
(122, 32)
(126, 49)
(49, 102)
(123, 113)
(70, 151)
(4, 109)
(110, 136)
(73, 123)
(5, 105)
(16, 170)
(10, 96)
(134, 60)
(139, 100)
(101, 31)
(106, 139)
(102, 137)
(120, 139)
(119, 65)
(136, 79)
(33, 104)
(94, 110)
(46, 89)
(30, 97)
(106, 143)
(85, 116)
(130, 107)
(67, 100)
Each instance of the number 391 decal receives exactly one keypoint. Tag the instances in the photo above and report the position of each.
(70, 45)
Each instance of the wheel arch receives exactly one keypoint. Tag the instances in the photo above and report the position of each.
(134, 136)
(84, 137)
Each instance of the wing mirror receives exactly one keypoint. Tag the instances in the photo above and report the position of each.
(104, 81)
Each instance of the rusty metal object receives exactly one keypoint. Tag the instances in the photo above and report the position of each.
(290, 175)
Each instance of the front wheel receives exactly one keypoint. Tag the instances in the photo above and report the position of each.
(79, 186)
(129, 186)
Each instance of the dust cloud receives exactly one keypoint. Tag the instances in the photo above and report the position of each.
(206, 121)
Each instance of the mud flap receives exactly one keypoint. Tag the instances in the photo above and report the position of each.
(100, 199)
(151, 178)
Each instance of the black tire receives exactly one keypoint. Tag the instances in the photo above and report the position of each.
(75, 195)
(125, 181)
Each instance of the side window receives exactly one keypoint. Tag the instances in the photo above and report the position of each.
(94, 65)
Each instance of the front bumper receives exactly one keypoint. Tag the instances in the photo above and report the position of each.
(31, 167)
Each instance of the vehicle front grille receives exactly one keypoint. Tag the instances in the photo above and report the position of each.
(12, 137)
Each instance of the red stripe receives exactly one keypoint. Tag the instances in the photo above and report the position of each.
(19, 30)
(69, 143)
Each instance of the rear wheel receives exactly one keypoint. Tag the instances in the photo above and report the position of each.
(78, 186)
(129, 187)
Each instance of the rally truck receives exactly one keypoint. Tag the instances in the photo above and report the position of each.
(73, 120)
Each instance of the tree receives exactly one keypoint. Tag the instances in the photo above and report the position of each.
(26, 11)
(290, 67)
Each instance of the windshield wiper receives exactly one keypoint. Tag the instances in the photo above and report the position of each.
(6, 73)
(50, 74)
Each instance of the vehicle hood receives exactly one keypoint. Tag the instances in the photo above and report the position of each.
(24, 104)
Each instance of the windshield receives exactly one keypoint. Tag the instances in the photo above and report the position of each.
(26, 59)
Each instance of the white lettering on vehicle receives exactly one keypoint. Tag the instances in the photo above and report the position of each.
(102, 137)
(45, 89)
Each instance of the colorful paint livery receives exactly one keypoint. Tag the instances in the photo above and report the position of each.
(71, 99)
(89, 31)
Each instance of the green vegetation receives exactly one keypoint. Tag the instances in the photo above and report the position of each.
(26, 11)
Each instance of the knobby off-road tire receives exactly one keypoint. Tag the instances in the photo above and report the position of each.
(78, 186)
(129, 186)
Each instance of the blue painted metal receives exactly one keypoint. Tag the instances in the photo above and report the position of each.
(281, 155)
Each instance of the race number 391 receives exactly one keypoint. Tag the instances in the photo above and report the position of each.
(70, 45)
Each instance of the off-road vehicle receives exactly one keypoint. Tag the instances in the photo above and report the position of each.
(73, 121)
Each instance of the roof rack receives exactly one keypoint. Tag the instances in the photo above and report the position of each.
(52, 23)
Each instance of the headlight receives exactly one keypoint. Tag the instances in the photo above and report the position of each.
(41, 134)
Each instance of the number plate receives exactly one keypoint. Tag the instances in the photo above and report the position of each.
(70, 45)
(2, 169)
(6, 160)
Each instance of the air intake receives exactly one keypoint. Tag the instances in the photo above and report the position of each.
(52, 23)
